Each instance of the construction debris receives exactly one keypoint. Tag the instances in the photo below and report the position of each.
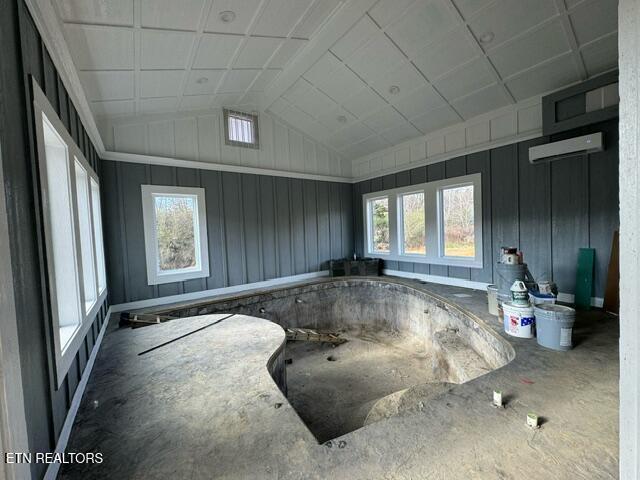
(308, 335)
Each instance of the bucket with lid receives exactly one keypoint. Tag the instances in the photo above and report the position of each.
(518, 321)
(555, 326)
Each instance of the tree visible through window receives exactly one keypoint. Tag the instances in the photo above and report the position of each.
(175, 227)
(413, 223)
(380, 224)
(458, 222)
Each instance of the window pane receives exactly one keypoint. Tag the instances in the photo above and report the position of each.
(240, 129)
(176, 224)
(380, 225)
(97, 228)
(86, 236)
(62, 237)
(457, 218)
(413, 223)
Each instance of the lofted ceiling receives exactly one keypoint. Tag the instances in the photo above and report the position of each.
(403, 69)
(150, 56)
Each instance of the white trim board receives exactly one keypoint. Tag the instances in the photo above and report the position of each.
(481, 147)
(186, 297)
(63, 439)
(220, 167)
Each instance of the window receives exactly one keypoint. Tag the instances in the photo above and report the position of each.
(437, 222)
(72, 234)
(458, 232)
(379, 225)
(175, 232)
(86, 236)
(97, 228)
(62, 248)
(241, 129)
(413, 220)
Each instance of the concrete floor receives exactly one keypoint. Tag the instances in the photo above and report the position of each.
(206, 407)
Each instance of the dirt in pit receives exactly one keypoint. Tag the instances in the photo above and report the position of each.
(333, 389)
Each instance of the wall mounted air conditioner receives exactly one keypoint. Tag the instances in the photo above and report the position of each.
(566, 148)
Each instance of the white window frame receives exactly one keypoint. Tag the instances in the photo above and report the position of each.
(226, 113)
(434, 227)
(154, 275)
(65, 354)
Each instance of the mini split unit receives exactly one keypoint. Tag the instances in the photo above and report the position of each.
(566, 148)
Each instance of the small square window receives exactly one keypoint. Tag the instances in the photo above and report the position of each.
(241, 129)
(175, 232)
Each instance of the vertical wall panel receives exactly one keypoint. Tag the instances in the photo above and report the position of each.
(481, 163)
(136, 272)
(504, 199)
(347, 220)
(324, 225)
(233, 220)
(267, 205)
(284, 227)
(212, 183)
(113, 234)
(603, 171)
(570, 217)
(296, 199)
(310, 225)
(535, 211)
(252, 237)
(335, 222)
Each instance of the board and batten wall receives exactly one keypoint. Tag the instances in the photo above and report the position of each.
(548, 210)
(200, 137)
(259, 227)
(24, 56)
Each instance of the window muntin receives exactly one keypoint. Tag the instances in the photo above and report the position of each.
(87, 252)
(463, 245)
(458, 229)
(175, 231)
(379, 225)
(240, 129)
(413, 224)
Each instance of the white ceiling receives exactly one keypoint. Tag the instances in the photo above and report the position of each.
(146, 56)
(149, 56)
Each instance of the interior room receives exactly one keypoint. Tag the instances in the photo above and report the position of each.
(286, 239)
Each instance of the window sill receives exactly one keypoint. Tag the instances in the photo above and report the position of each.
(450, 262)
(179, 276)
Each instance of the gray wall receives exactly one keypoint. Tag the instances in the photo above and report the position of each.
(23, 57)
(259, 227)
(548, 210)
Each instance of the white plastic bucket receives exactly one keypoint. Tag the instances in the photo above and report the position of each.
(492, 299)
(555, 326)
(518, 321)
